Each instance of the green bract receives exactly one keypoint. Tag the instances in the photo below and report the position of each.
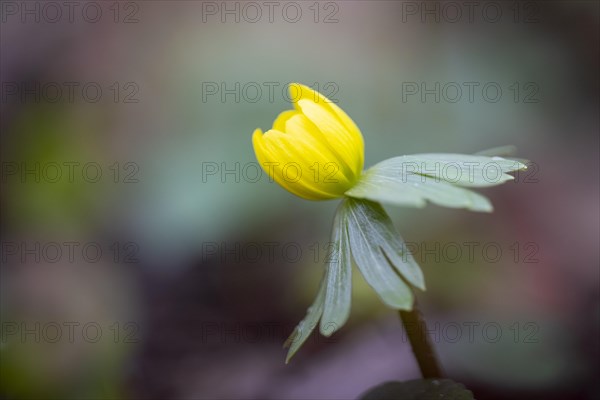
(363, 233)
(439, 178)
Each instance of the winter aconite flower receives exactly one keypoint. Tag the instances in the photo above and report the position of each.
(316, 152)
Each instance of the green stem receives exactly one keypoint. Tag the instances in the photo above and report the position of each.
(416, 330)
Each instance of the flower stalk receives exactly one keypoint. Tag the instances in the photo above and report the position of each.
(416, 330)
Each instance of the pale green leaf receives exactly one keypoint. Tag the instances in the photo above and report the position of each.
(414, 190)
(367, 233)
(377, 187)
(308, 324)
(339, 278)
(383, 234)
(458, 169)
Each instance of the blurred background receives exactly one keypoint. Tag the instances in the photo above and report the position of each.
(145, 256)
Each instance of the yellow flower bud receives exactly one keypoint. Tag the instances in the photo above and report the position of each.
(314, 151)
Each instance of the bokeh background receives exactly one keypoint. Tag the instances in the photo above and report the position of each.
(205, 269)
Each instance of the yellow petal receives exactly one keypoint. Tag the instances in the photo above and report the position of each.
(307, 135)
(291, 163)
(279, 123)
(302, 92)
(339, 138)
(315, 151)
(332, 121)
(319, 168)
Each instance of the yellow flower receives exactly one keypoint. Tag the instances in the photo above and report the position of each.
(314, 151)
